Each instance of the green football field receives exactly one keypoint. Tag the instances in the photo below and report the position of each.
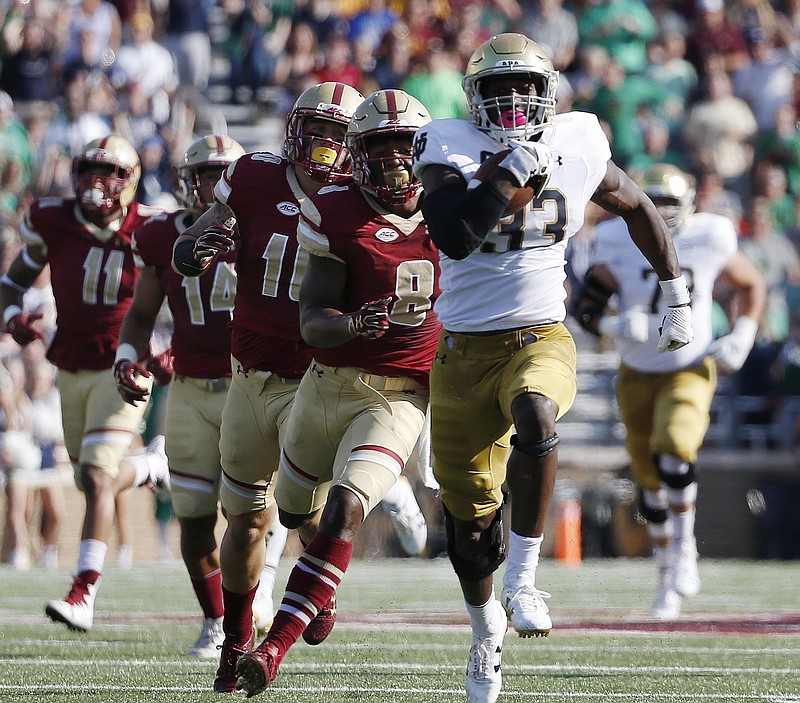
(402, 637)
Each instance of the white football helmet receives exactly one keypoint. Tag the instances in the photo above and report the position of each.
(324, 160)
(513, 116)
(213, 151)
(672, 191)
(386, 113)
(106, 174)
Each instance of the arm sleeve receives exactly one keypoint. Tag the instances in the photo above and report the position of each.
(459, 220)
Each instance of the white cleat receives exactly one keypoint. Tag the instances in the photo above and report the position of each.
(409, 523)
(210, 641)
(667, 605)
(527, 610)
(263, 612)
(685, 576)
(484, 678)
(76, 611)
(159, 467)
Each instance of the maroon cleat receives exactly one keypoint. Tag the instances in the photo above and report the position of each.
(320, 627)
(257, 669)
(225, 681)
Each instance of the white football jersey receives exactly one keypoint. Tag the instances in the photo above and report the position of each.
(704, 245)
(516, 278)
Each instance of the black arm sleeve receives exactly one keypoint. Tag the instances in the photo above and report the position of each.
(459, 220)
(183, 260)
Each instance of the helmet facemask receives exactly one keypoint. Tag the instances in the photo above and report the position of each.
(100, 185)
(672, 192)
(389, 178)
(324, 160)
(196, 185)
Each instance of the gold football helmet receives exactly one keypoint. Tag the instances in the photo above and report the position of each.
(672, 191)
(324, 160)
(386, 114)
(213, 151)
(106, 174)
(517, 115)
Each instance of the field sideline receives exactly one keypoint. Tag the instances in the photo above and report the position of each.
(402, 637)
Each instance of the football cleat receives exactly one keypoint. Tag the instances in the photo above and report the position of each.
(527, 610)
(484, 678)
(159, 467)
(320, 627)
(685, 576)
(263, 612)
(667, 605)
(411, 529)
(257, 669)
(232, 652)
(210, 641)
(76, 611)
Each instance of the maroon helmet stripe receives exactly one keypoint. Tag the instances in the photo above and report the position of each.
(391, 104)
(338, 91)
(220, 145)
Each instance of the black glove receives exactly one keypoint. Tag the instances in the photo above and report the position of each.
(372, 320)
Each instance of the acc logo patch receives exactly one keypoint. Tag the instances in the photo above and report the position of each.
(386, 235)
(287, 208)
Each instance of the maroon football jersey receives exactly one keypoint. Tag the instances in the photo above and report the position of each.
(385, 256)
(263, 193)
(92, 280)
(200, 305)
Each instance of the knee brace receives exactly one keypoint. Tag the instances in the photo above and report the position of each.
(537, 449)
(655, 514)
(483, 565)
(673, 472)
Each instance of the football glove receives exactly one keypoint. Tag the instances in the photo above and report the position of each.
(22, 330)
(630, 326)
(213, 242)
(732, 350)
(676, 327)
(372, 320)
(531, 164)
(160, 367)
(125, 373)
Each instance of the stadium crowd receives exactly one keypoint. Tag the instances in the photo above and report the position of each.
(711, 87)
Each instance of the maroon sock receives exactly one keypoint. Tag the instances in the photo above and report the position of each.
(237, 622)
(318, 572)
(208, 590)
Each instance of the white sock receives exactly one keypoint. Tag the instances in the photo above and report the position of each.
(523, 558)
(276, 541)
(398, 496)
(663, 556)
(91, 555)
(484, 618)
(682, 525)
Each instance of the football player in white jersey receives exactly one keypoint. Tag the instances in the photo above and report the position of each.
(505, 357)
(665, 399)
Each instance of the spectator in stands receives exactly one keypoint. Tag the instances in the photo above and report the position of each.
(781, 145)
(657, 148)
(250, 64)
(17, 162)
(338, 64)
(554, 28)
(295, 66)
(372, 23)
(186, 38)
(586, 79)
(669, 68)
(423, 25)
(28, 74)
(101, 22)
(766, 82)
(717, 133)
(712, 196)
(436, 83)
(714, 34)
(146, 64)
(769, 181)
(622, 27)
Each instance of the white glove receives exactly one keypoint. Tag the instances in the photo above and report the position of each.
(676, 327)
(630, 325)
(731, 351)
(531, 164)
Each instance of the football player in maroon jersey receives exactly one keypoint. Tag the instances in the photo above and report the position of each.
(87, 242)
(201, 311)
(256, 209)
(366, 306)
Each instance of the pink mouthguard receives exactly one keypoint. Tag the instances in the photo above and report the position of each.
(512, 118)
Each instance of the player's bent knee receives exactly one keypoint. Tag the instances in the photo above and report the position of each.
(475, 558)
(536, 449)
(292, 521)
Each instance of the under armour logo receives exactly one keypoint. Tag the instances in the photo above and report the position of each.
(559, 161)
(317, 370)
(440, 357)
(241, 371)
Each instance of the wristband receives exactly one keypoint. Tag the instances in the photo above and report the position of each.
(675, 292)
(11, 311)
(126, 352)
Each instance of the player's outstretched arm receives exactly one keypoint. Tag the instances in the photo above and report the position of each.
(21, 275)
(200, 243)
